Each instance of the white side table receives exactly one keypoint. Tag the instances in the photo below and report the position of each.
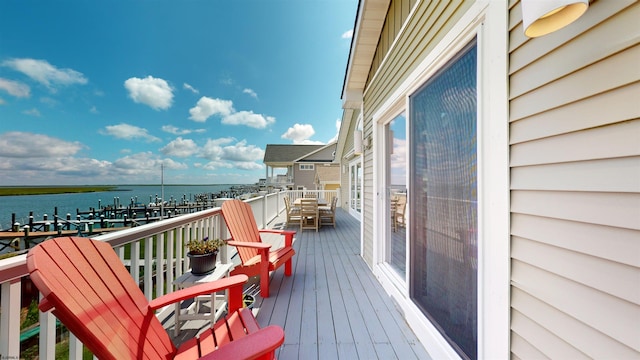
(188, 279)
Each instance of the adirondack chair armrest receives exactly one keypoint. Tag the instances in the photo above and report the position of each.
(257, 245)
(252, 346)
(232, 283)
(288, 234)
(45, 305)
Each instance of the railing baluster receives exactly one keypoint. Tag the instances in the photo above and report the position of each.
(47, 341)
(75, 348)
(148, 268)
(160, 241)
(179, 253)
(10, 319)
(135, 261)
(171, 263)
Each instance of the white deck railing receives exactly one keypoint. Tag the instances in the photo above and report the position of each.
(167, 234)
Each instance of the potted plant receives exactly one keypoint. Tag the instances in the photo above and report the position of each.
(202, 255)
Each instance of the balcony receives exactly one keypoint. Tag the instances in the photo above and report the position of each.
(332, 307)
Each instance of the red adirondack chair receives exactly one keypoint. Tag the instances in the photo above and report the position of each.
(255, 257)
(88, 288)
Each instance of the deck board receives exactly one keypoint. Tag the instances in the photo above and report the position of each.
(332, 307)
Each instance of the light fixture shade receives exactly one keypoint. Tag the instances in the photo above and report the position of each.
(541, 17)
(357, 142)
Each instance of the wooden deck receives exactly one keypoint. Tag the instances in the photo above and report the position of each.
(332, 307)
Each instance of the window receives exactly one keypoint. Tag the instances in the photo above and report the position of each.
(443, 184)
(306, 167)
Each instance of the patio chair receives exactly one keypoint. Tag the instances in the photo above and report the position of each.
(86, 286)
(255, 257)
(328, 213)
(293, 212)
(309, 215)
(398, 208)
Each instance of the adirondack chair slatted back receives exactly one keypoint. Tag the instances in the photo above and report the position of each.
(92, 293)
(242, 226)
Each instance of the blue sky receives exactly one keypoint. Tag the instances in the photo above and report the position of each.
(104, 92)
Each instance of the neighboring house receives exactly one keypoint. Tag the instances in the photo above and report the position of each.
(306, 167)
(521, 163)
(278, 156)
(302, 163)
(327, 176)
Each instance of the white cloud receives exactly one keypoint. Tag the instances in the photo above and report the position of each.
(248, 118)
(128, 132)
(190, 88)
(242, 152)
(250, 92)
(45, 73)
(177, 131)
(299, 134)
(15, 88)
(180, 147)
(399, 156)
(32, 112)
(335, 138)
(144, 162)
(15, 144)
(93, 110)
(207, 107)
(221, 153)
(347, 34)
(154, 92)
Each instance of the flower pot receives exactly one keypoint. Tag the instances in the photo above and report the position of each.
(202, 264)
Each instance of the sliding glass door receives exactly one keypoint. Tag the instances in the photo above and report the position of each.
(443, 185)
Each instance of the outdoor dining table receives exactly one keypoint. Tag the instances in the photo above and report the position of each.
(321, 202)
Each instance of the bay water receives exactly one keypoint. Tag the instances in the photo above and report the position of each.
(69, 203)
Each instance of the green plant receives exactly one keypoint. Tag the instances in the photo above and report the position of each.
(204, 246)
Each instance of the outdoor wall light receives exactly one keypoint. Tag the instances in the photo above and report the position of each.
(541, 17)
(367, 142)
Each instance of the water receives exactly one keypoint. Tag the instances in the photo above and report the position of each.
(68, 203)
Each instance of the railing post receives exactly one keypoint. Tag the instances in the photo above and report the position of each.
(47, 341)
(10, 320)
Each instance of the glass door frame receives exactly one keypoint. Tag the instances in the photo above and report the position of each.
(355, 194)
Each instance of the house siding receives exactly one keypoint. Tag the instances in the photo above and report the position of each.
(575, 186)
(348, 147)
(304, 178)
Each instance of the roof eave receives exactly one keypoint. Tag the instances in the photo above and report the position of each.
(369, 22)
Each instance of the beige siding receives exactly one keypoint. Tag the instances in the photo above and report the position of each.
(304, 178)
(344, 173)
(575, 186)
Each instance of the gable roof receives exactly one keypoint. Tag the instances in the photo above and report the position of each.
(323, 154)
(287, 153)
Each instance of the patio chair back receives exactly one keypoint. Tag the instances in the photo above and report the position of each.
(86, 286)
(242, 226)
(256, 258)
(92, 293)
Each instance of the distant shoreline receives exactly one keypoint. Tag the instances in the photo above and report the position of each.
(74, 189)
(47, 190)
